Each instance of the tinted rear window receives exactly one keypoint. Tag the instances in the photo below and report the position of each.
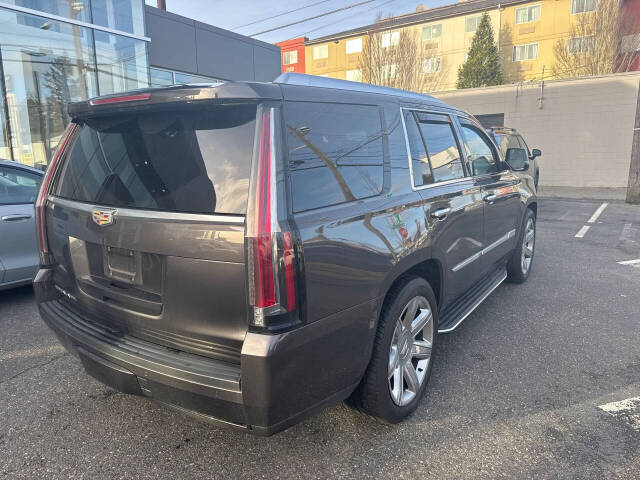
(196, 160)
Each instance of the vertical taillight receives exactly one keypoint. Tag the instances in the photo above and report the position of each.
(271, 261)
(263, 280)
(41, 201)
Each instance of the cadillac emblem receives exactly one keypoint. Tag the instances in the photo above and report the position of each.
(103, 217)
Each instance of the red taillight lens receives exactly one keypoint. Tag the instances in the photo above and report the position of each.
(271, 251)
(45, 256)
(127, 98)
(264, 282)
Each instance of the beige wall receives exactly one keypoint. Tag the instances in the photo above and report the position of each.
(584, 128)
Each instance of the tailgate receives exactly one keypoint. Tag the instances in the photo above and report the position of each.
(146, 225)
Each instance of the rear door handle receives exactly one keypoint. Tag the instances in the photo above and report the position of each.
(490, 198)
(15, 218)
(441, 214)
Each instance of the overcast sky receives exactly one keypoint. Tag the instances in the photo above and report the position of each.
(231, 14)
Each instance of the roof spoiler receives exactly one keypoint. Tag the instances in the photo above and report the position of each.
(152, 98)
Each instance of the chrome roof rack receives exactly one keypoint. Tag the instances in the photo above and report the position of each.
(324, 82)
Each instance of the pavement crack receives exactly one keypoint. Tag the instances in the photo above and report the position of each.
(33, 367)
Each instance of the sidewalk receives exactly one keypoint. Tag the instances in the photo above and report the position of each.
(583, 193)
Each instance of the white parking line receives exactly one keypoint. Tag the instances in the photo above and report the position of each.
(582, 231)
(633, 263)
(597, 213)
(626, 410)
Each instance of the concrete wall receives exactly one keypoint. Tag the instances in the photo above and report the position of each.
(180, 43)
(584, 128)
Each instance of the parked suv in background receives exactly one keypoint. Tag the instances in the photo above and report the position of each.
(254, 252)
(516, 152)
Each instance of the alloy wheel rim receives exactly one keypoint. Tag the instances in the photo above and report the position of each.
(410, 351)
(528, 243)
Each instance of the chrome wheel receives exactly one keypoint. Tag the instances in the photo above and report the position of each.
(410, 351)
(528, 242)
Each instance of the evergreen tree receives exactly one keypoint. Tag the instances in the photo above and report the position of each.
(482, 67)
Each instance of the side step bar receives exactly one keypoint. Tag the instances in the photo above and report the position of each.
(455, 313)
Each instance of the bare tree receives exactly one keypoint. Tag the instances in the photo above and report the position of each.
(600, 42)
(400, 59)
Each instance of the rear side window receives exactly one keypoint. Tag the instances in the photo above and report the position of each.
(196, 160)
(18, 186)
(334, 153)
(420, 168)
(442, 147)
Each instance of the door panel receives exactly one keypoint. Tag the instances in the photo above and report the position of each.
(453, 202)
(18, 247)
(500, 193)
(458, 237)
(501, 216)
(18, 242)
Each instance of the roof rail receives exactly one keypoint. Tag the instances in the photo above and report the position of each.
(324, 82)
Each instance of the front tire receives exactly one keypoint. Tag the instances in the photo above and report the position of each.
(402, 357)
(521, 261)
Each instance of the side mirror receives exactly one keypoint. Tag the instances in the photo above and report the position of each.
(535, 153)
(517, 159)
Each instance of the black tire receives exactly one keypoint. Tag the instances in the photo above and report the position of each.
(373, 395)
(515, 270)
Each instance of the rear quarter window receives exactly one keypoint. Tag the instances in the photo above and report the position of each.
(196, 160)
(334, 151)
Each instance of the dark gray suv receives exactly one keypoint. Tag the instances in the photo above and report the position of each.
(253, 252)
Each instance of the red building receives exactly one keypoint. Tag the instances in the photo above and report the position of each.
(630, 30)
(292, 54)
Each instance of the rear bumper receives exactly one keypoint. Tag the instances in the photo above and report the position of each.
(281, 379)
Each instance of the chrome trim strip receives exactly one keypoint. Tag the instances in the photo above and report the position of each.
(406, 140)
(475, 305)
(151, 215)
(467, 261)
(58, 18)
(484, 251)
(501, 240)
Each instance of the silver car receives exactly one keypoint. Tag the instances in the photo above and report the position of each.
(19, 186)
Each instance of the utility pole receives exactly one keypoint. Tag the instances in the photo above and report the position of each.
(633, 188)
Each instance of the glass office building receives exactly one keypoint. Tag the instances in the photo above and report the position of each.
(53, 52)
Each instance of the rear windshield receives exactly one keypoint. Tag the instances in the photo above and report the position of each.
(195, 161)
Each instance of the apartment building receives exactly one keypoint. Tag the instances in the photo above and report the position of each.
(525, 31)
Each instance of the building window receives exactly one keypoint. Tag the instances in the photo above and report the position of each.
(121, 63)
(320, 52)
(182, 78)
(580, 44)
(389, 72)
(289, 58)
(431, 65)
(528, 14)
(123, 15)
(160, 78)
(46, 65)
(582, 6)
(354, 45)
(431, 32)
(354, 75)
(471, 23)
(76, 10)
(528, 51)
(390, 39)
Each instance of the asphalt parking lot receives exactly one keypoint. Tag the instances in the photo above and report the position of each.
(516, 391)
